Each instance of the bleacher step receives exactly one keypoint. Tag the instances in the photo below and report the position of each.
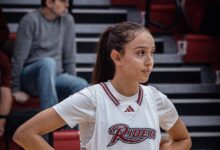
(75, 2)
(89, 44)
(111, 15)
(20, 2)
(195, 100)
(188, 88)
(89, 58)
(92, 2)
(199, 109)
(99, 15)
(160, 74)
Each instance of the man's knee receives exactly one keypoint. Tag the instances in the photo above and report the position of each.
(84, 83)
(81, 83)
(47, 63)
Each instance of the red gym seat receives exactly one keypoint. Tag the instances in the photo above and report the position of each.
(66, 140)
(202, 49)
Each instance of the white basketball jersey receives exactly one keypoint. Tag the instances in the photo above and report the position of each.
(135, 128)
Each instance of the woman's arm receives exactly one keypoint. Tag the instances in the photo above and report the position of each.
(29, 134)
(179, 138)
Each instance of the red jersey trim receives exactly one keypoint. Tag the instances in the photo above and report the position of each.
(116, 102)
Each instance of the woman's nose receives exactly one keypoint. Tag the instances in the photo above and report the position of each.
(149, 61)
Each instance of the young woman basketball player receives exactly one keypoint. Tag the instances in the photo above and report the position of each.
(116, 112)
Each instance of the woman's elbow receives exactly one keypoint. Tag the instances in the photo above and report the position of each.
(20, 135)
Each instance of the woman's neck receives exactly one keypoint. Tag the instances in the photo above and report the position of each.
(125, 87)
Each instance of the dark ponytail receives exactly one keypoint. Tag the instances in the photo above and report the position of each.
(104, 68)
(113, 38)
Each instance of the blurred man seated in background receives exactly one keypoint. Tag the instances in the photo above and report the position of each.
(43, 60)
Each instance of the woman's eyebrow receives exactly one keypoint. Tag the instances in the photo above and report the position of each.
(141, 47)
(145, 47)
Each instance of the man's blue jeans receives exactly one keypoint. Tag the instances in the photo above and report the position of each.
(40, 79)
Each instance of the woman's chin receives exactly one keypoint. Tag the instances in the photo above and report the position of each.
(144, 80)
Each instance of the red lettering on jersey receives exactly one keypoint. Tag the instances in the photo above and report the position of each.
(129, 135)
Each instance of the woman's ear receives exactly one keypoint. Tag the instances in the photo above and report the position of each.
(116, 57)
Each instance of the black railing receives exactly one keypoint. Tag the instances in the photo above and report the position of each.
(147, 13)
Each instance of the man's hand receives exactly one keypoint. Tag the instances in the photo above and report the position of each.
(21, 97)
